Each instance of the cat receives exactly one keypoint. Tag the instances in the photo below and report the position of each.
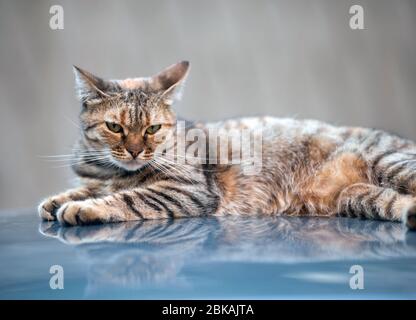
(308, 168)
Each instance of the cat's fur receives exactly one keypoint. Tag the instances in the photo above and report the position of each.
(308, 167)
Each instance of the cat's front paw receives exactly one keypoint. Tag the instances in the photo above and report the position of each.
(81, 213)
(49, 207)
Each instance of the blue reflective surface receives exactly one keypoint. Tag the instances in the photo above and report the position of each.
(229, 257)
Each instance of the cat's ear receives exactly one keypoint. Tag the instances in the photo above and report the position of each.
(170, 81)
(88, 86)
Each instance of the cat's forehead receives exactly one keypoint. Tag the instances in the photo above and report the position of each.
(134, 109)
(136, 97)
(129, 114)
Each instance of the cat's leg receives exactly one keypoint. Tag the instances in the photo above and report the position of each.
(153, 202)
(373, 202)
(48, 207)
(395, 169)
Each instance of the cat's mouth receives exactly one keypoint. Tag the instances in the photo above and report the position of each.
(131, 165)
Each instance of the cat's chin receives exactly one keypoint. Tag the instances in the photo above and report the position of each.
(131, 165)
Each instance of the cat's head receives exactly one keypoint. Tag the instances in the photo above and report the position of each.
(124, 121)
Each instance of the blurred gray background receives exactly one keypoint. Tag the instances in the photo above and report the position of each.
(283, 58)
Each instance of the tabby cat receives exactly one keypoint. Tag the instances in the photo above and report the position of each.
(307, 167)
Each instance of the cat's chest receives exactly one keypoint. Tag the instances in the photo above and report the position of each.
(125, 183)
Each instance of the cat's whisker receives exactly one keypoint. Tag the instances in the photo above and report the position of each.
(196, 160)
(72, 155)
(180, 170)
(85, 160)
(202, 159)
(167, 170)
(195, 168)
(72, 122)
(57, 156)
(69, 165)
(154, 165)
(167, 166)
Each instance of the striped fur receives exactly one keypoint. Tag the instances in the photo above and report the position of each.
(308, 167)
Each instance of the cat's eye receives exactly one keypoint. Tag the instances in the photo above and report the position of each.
(153, 129)
(114, 127)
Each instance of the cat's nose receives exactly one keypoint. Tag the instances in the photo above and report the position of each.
(134, 152)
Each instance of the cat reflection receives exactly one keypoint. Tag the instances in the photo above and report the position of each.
(153, 252)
